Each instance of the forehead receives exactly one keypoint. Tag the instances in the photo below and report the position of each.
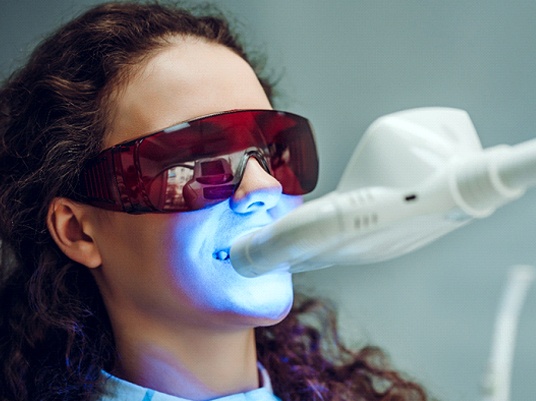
(187, 79)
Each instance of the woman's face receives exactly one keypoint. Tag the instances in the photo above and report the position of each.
(173, 266)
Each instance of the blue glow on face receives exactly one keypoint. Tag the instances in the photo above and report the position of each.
(201, 270)
(175, 266)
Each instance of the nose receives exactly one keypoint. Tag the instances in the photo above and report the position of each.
(258, 190)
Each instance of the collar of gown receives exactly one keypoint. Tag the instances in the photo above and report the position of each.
(116, 389)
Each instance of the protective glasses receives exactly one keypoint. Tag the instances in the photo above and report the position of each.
(196, 164)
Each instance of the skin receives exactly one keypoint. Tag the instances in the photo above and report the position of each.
(183, 320)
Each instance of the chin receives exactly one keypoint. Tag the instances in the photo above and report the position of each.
(274, 310)
(261, 301)
(276, 319)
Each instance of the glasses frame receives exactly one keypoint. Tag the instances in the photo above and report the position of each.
(118, 179)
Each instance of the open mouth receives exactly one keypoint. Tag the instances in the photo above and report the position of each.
(221, 254)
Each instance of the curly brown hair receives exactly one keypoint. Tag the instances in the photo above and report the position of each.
(55, 337)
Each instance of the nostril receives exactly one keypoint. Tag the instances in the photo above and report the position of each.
(255, 206)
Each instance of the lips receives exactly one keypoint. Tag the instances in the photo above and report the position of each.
(222, 255)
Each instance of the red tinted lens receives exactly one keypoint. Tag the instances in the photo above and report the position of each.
(189, 166)
(293, 157)
(287, 138)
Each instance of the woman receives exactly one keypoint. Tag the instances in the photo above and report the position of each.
(133, 152)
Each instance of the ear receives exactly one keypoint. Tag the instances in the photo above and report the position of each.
(68, 227)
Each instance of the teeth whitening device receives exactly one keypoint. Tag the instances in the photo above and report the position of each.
(415, 176)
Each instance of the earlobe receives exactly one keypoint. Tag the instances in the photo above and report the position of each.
(69, 230)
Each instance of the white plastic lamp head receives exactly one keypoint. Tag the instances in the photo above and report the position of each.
(415, 176)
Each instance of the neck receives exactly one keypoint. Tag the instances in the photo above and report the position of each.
(191, 362)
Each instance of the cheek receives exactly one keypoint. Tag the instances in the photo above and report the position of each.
(163, 264)
(131, 251)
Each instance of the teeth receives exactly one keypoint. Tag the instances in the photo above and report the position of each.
(222, 255)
